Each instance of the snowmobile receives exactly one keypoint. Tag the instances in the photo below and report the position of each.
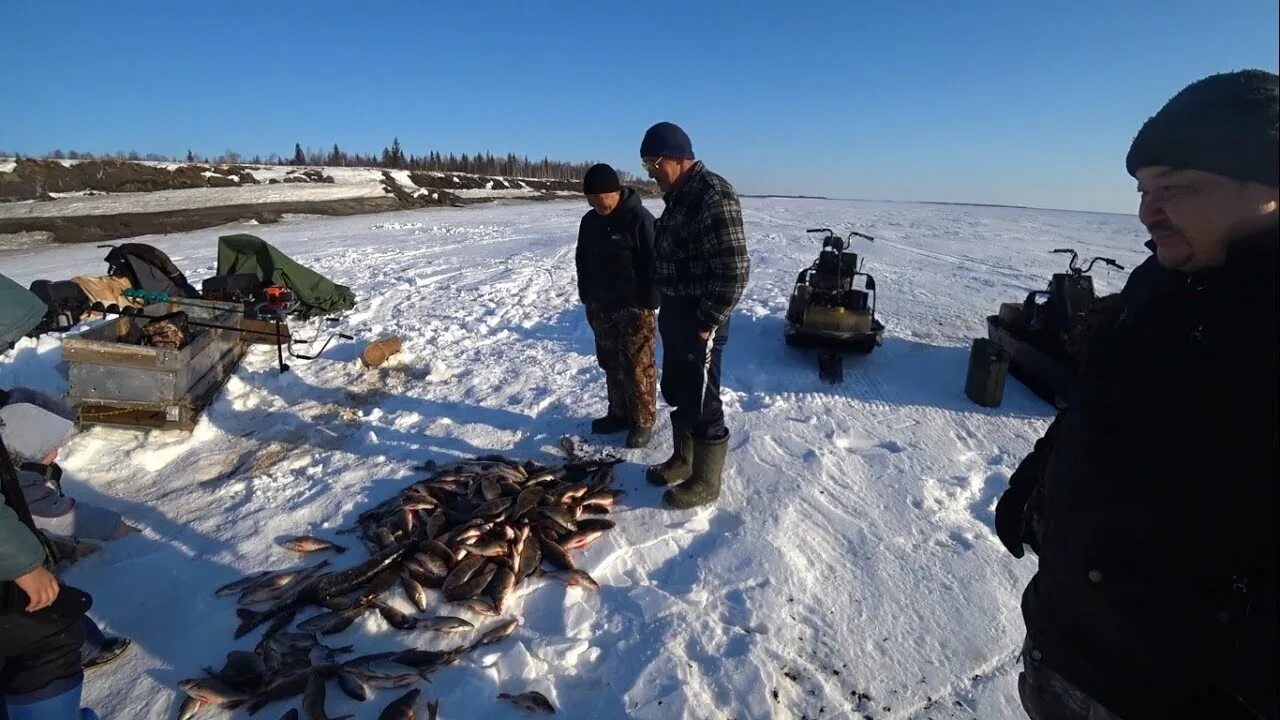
(827, 312)
(1039, 333)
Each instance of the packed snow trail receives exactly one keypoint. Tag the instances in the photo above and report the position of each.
(848, 570)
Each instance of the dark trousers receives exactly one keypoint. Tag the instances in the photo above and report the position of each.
(40, 652)
(691, 368)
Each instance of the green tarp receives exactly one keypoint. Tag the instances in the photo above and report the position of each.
(250, 254)
(20, 311)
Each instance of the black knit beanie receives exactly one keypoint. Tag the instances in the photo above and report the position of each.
(600, 178)
(666, 140)
(1224, 124)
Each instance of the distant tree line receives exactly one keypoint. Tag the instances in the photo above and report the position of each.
(392, 157)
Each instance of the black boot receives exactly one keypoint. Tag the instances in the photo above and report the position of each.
(703, 486)
(110, 650)
(676, 468)
(639, 437)
(609, 424)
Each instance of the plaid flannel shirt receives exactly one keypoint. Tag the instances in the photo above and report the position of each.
(700, 248)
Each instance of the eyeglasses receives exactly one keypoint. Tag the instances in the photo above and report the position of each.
(650, 165)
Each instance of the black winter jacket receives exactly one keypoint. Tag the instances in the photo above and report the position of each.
(615, 257)
(1156, 500)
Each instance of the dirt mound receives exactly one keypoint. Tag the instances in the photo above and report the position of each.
(36, 179)
(445, 182)
(307, 175)
(432, 197)
(456, 181)
(100, 228)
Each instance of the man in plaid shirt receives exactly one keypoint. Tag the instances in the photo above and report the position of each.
(701, 268)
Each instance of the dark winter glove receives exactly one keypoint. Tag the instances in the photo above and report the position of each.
(1011, 511)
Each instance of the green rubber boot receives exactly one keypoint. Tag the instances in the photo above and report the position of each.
(703, 486)
(677, 468)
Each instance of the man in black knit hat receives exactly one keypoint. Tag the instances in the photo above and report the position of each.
(701, 269)
(615, 283)
(1151, 499)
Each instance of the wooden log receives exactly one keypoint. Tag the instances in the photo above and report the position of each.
(377, 352)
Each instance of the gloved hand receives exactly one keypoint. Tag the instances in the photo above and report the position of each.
(1010, 517)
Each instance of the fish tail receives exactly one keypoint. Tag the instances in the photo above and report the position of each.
(249, 619)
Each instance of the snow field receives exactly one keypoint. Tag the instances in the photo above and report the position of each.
(848, 570)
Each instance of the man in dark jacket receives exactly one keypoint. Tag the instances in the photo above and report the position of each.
(1151, 500)
(615, 283)
(41, 623)
(701, 268)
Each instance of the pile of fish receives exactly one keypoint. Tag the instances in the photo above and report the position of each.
(473, 531)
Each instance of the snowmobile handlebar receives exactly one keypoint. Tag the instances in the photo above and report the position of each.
(832, 233)
(1074, 264)
(1075, 257)
(1104, 261)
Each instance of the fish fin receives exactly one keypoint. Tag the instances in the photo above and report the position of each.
(233, 704)
(249, 619)
(339, 549)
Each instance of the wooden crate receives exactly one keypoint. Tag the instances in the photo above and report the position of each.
(119, 383)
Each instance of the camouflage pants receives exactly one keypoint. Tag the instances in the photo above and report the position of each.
(625, 342)
(1046, 695)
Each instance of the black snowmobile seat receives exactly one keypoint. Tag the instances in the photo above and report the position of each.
(835, 275)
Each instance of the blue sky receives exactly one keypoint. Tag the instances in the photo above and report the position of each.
(1002, 102)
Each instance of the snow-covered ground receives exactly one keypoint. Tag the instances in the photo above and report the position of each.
(848, 570)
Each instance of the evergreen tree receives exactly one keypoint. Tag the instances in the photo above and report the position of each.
(396, 154)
